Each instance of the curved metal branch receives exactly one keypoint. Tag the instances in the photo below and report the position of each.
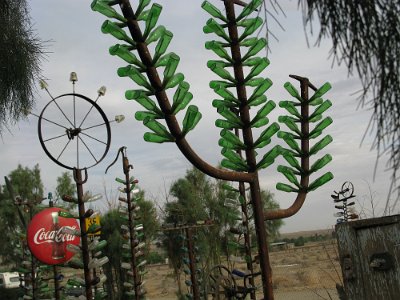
(165, 106)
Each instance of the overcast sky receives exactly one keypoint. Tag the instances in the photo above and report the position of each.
(75, 43)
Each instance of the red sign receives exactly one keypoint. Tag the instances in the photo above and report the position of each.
(48, 236)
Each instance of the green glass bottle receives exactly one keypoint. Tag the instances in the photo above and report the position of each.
(321, 91)
(221, 72)
(289, 157)
(257, 47)
(287, 172)
(290, 107)
(292, 91)
(269, 157)
(212, 10)
(285, 188)
(251, 29)
(226, 124)
(254, 82)
(320, 126)
(320, 181)
(180, 93)
(290, 141)
(156, 34)
(232, 138)
(181, 105)
(220, 63)
(251, 62)
(230, 116)
(103, 8)
(234, 158)
(220, 83)
(222, 103)
(94, 228)
(263, 112)
(267, 133)
(262, 143)
(316, 101)
(192, 117)
(174, 81)
(261, 89)
(155, 138)
(113, 29)
(257, 100)
(320, 163)
(141, 115)
(249, 8)
(260, 123)
(258, 68)
(315, 119)
(249, 42)
(321, 109)
(218, 49)
(290, 123)
(213, 26)
(163, 60)
(171, 67)
(226, 94)
(162, 45)
(225, 144)
(321, 145)
(67, 214)
(152, 18)
(143, 15)
(123, 52)
(157, 127)
(135, 75)
(142, 5)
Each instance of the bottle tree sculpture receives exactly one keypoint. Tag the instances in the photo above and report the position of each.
(241, 90)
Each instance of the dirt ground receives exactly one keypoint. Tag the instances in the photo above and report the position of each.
(309, 272)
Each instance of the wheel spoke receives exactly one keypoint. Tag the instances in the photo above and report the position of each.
(80, 125)
(88, 149)
(56, 137)
(93, 126)
(60, 108)
(52, 122)
(65, 147)
(89, 136)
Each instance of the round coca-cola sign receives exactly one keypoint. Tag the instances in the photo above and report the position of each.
(49, 234)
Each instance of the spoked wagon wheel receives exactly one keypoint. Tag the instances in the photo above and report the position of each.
(74, 131)
(221, 284)
(347, 189)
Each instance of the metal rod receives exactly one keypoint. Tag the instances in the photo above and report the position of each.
(84, 239)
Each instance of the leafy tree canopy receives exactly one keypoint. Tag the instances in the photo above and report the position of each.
(20, 56)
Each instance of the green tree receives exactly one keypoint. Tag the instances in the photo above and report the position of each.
(20, 56)
(27, 185)
(65, 186)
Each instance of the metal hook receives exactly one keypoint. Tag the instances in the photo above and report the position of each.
(121, 150)
(78, 180)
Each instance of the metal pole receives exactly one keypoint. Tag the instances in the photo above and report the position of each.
(84, 240)
(132, 233)
(247, 241)
(55, 273)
